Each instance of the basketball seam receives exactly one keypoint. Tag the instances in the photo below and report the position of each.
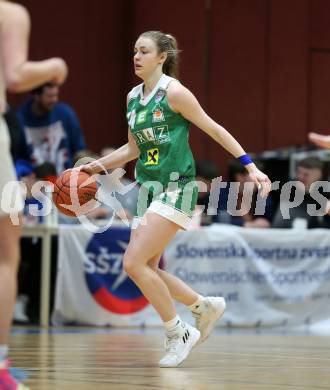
(68, 181)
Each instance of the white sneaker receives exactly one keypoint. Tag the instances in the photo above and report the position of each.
(210, 310)
(179, 345)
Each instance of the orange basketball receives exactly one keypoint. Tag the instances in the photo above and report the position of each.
(74, 192)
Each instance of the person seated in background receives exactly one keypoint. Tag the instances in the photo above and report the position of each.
(308, 171)
(232, 195)
(245, 202)
(51, 129)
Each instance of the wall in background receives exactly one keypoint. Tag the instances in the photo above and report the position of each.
(261, 68)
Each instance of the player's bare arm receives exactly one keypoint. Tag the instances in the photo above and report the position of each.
(20, 74)
(185, 103)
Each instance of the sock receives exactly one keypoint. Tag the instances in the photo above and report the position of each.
(172, 325)
(197, 305)
(3, 353)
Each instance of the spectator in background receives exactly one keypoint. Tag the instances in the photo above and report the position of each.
(206, 172)
(249, 215)
(308, 171)
(18, 148)
(30, 175)
(51, 129)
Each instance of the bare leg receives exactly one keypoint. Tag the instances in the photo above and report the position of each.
(179, 290)
(206, 311)
(9, 258)
(146, 242)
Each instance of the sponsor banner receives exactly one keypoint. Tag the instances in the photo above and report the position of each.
(270, 277)
(92, 287)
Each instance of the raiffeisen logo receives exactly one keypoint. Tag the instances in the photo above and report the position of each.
(106, 279)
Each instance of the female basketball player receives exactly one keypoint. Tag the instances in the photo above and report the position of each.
(159, 112)
(19, 75)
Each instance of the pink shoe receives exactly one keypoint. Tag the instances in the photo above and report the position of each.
(7, 381)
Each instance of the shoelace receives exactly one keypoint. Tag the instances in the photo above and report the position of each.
(171, 343)
(197, 317)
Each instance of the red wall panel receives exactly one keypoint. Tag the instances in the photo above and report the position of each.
(320, 26)
(247, 62)
(320, 92)
(88, 34)
(288, 73)
(319, 77)
(238, 72)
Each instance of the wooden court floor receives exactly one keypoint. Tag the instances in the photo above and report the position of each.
(127, 360)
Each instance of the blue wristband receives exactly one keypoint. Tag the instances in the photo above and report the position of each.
(245, 159)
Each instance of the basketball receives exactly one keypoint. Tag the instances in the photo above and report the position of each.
(74, 193)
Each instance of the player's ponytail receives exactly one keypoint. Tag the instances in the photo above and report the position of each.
(166, 43)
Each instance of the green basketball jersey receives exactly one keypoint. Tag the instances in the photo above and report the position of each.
(161, 135)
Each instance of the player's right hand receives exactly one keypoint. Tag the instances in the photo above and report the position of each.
(61, 71)
(86, 168)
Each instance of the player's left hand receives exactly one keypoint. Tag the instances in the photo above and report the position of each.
(262, 181)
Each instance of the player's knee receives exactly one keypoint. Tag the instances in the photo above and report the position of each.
(130, 265)
(9, 254)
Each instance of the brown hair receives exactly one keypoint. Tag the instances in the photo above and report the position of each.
(166, 43)
(311, 163)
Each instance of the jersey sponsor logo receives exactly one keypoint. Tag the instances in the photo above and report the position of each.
(142, 117)
(157, 114)
(162, 134)
(158, 135)
(149, 134)
(152, 156)
(145, 135)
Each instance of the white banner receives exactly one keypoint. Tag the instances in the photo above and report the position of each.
(268, 277)
(91, 286)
